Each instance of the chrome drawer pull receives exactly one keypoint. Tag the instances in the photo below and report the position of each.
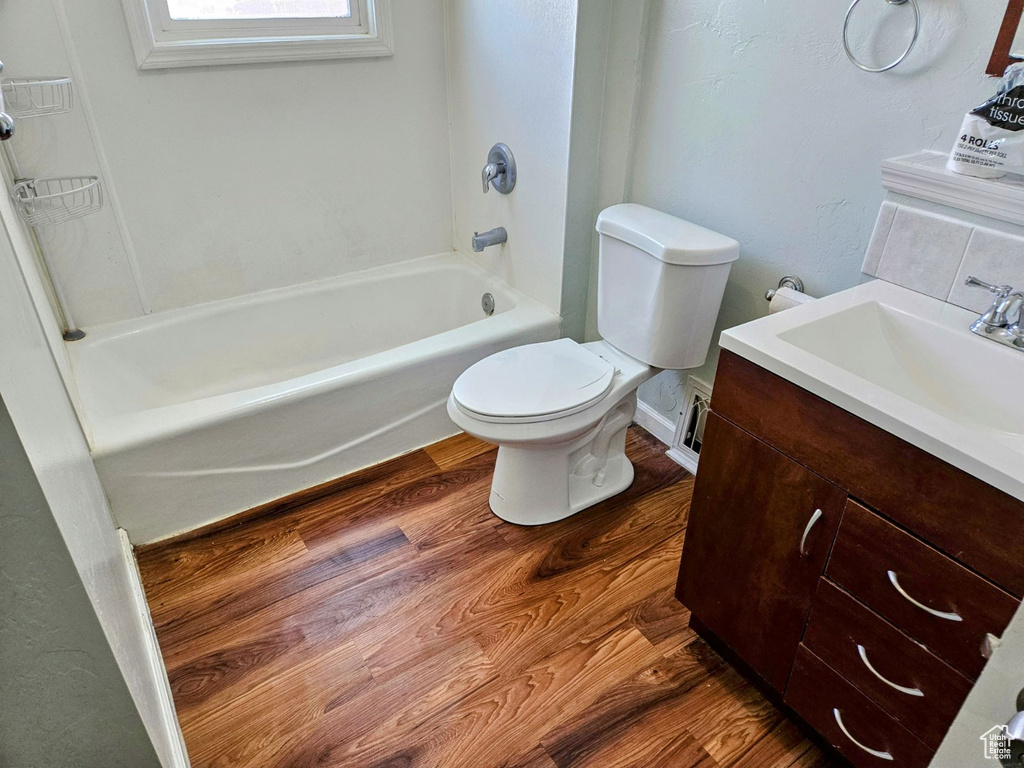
(901, 688)
(810, 524)
(874, 752)
(940, 614)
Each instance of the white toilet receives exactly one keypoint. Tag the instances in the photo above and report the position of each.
(558, 411)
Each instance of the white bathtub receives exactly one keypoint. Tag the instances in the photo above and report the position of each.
(198, 414)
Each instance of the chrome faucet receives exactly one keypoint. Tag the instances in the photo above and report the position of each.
(494, 236)
(6, 121)
(6, 126)
(997, 321)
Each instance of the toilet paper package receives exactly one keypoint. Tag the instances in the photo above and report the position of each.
(991, 141)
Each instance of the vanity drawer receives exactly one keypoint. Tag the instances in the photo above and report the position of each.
(929, 596)
(903, 678)
(850, 721)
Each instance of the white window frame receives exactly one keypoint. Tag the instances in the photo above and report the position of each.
(160, 42)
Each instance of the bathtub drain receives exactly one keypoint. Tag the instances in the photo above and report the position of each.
(487, 302)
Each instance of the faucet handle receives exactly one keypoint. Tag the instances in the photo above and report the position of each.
(491, 172)
(1001, 291)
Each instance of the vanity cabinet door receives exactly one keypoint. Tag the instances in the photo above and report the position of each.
(759, 533)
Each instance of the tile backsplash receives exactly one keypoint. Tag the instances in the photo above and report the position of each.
(933, 254)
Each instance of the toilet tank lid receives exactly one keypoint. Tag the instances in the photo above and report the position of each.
(666, 237)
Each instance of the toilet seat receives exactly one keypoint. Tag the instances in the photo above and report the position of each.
(533, 383)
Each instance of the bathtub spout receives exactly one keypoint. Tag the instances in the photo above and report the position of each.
(494, 236)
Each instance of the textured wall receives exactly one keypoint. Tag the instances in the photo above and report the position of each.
(63, 701)
(754, 123)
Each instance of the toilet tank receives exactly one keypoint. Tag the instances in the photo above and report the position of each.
(660, 285)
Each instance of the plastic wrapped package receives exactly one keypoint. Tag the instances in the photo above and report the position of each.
(991, 141)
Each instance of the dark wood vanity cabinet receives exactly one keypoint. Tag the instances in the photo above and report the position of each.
(855, 574)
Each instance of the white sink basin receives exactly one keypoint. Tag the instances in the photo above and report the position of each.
(908, 364)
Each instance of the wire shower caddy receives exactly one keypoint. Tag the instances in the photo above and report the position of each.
(45, 202)
(56, 200)
(38, 97)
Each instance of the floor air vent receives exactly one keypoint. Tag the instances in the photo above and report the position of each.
(690, 430)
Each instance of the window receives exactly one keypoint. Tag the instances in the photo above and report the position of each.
(182, 33)
(182, 10)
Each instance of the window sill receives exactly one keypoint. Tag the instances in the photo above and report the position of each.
(153, 53)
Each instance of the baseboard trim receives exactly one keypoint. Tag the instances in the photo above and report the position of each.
(685, 460)
(168, 714)
(656, 423)
(659, 425)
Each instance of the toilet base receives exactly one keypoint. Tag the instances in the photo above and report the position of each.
(538, 484)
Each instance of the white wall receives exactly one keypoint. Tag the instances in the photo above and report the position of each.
(510, 66)
(33, 391)
(622, 79)
(232, 179)
(235, 179)
(753, 123)
(590, 72)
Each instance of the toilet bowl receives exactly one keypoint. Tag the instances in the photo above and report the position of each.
(558, 411)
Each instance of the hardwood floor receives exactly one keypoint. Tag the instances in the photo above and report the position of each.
(398, 622)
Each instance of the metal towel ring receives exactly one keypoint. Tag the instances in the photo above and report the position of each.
(913, 42)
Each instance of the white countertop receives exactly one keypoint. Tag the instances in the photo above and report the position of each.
(908, 364)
